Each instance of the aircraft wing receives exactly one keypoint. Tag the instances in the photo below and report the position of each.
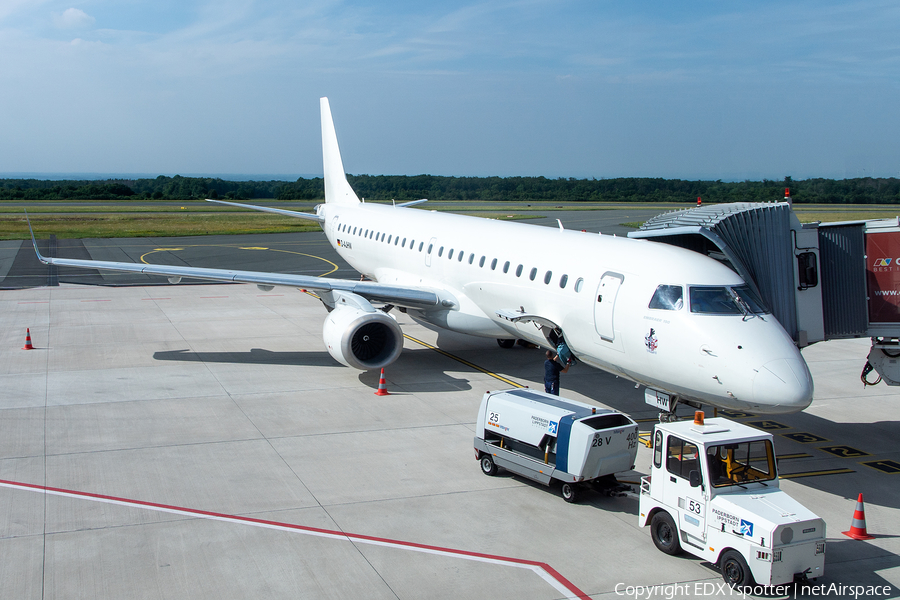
(372, 291)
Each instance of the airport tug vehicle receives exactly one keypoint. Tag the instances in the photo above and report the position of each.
(547, 438)
(713, 492)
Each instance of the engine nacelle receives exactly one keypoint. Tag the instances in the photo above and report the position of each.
(362, 339)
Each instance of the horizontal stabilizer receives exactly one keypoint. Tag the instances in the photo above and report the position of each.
(277, 211)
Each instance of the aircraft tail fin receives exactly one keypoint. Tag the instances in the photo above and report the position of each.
(337, 188)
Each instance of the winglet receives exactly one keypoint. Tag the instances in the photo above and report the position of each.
(337, 189)
(34, 242)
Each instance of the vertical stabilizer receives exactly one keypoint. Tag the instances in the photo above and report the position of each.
(337, 189)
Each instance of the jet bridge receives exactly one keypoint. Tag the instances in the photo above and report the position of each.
(822, 281)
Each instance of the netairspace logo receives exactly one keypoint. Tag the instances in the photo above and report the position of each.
(699, 589)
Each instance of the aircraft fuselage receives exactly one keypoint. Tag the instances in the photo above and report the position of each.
(596, 289)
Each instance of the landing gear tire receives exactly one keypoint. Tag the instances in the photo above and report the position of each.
(667, 417)
(569, 492)
(665, 533)
(487, 465)
(735, 571)
(506, 343)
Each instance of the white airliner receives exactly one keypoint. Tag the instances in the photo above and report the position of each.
(670, 319)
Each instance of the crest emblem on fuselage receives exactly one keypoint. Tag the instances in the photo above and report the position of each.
(651, 342)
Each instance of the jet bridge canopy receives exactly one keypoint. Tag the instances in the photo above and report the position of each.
(757, 240)
(816, 277)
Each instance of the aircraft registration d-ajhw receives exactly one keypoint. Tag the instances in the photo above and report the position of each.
(673, 320)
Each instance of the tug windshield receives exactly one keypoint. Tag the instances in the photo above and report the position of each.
(746, 462)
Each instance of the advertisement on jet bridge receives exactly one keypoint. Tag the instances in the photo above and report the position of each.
(883, 276)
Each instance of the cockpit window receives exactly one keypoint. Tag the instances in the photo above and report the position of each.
(713, 300)
(754, 302)
(723, 300)
(667, 297)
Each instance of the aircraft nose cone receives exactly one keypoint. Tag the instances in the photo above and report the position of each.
(783, 385)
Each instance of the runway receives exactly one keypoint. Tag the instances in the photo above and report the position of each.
(198, 441)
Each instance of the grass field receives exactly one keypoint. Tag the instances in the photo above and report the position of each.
(131, 223)
(108, 219)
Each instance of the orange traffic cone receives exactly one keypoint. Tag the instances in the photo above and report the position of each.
(28, 345)
(382, 386)
(699, 202)
(858, 526)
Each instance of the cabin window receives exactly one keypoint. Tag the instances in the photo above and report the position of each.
(481, 262)
(667, 297)
(412, 244)
(519, 271)
(462, 255)
(682, 457)
(382, 236)
(471, 258)
(563, 280)
(579, 283)
(494, 264)
(441, 251)
(389, 238)
(533, 273)
(548, 276)
(396, 240)
(354, 231)
(403, 245)
(420, 247)
(450, 254)
(506, 267)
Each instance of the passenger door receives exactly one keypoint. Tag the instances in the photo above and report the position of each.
(604, 306)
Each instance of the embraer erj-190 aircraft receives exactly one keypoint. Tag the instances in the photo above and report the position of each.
(670, 319)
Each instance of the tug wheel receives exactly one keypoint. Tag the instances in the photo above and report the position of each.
(665, 533)
(734, 570)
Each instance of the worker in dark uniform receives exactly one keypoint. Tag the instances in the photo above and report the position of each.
(552, 369)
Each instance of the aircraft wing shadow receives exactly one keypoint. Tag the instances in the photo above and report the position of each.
(254, 356)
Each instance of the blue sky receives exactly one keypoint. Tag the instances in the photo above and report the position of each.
(713, 90)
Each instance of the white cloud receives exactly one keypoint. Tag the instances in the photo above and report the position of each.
(73, 18)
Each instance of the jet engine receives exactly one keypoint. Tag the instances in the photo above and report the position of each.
(362, 339)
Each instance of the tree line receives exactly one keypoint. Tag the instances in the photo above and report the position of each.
(867, 190)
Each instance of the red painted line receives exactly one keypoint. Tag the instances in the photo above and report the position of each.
(328, 532)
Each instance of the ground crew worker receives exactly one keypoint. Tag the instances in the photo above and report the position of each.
(552, 369)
